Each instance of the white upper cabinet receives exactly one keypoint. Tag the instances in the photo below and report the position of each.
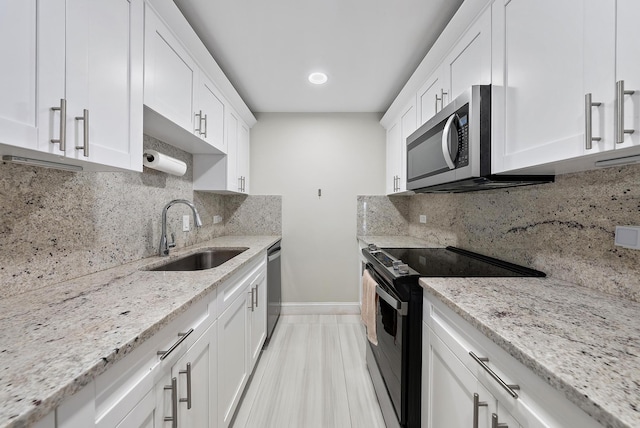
(74, 88)
(397, 149)
(170, 74)
(209, 118)
(555, 95)
(628, 68)
(104, 48)
(33, 81)
(467, 63)
(243, 157)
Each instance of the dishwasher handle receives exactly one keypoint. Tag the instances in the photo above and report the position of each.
(274, 255)
(400, 307)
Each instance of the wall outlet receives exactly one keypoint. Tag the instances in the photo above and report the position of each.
(423, 218)
(185, 223)
(628, 237)
(217, 219)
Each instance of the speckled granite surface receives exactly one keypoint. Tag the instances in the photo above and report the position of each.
(582, 342)
(399, 241)
(55, 340)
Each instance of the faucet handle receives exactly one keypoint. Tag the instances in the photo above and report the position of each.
(172, 244)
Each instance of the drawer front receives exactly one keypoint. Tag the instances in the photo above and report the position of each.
(234, 286)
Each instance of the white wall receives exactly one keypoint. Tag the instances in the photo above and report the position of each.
(294, 155)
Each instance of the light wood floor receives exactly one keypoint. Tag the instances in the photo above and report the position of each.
(312, 375)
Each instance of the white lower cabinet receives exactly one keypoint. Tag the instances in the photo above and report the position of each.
(232, 357)
(458, 392)
(200, 379)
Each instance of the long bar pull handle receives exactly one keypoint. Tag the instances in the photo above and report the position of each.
(482, 362)
(442, 94)
(620, 93)
(85, 119)
(188, 373)
(251, 293)
(63, 124)
(588, 122)
(183, 336)
(257, 295)
(205, 126)
(174, 403)
(476, 408)
(495, 424)
(199, 128)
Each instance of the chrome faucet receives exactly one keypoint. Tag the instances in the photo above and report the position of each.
(165, 245)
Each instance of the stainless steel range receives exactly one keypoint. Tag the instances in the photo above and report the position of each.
(395, 363)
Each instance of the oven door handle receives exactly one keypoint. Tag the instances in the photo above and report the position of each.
(400, 307)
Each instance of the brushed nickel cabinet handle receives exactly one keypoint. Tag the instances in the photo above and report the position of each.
(188, 373)
(495, 424)
(205, 126)
(251, 293)
(183, 336)
(174, 403)
(619, 112)
(476, 408)
(199, 128)
(436, 104)
(588, 122)
(482, 361)
(85, 119)
(63, 125)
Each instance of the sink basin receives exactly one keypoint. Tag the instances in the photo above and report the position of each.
(203, 260)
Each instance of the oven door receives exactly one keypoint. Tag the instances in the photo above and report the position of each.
(390, 353)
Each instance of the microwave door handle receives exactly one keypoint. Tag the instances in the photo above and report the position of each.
(445, 142)
(400, 307)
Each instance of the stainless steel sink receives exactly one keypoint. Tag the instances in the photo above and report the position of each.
(202, 260)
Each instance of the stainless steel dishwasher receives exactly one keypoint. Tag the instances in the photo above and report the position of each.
(274, 287)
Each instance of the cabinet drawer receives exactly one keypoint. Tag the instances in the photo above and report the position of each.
(231, 288)
(126, 383)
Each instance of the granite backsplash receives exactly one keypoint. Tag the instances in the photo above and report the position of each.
(58, 225)
(565, 229)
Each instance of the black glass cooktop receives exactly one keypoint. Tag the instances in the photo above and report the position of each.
(452, 262)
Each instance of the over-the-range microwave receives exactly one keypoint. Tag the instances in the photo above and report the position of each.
(451, 152)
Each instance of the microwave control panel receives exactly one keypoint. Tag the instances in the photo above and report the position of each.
(463, 142)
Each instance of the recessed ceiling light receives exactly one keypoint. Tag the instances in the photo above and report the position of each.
(318, 78)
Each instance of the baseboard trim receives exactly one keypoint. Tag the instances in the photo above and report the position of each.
(323, 308)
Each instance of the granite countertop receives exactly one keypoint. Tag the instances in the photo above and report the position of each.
(584, 343)
(399, 241)
(57, 339)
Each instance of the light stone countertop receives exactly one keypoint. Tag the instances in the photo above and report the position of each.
(55, 340)
(399, 241)
(584, 343)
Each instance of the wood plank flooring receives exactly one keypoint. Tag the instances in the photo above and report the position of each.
(313, 375)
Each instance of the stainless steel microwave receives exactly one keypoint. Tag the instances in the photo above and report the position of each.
(451, 152)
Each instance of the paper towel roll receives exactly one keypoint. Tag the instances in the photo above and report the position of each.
(164, 163)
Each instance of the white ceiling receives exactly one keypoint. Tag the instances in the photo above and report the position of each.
(368, 48)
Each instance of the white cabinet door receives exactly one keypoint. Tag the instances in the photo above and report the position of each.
(209, 118)
(430, 97)
(469, 62)
(408, 124)
(32, 36)
(196, 372)
(394, 138)
(628, 66)
(243, 157)
(540, 83)
(143, 415)
(258, 315)
(233, 179)
(170, 74)
(104, 57)
(447, 387)
(232, 357)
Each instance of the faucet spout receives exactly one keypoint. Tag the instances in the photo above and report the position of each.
(165, 245)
